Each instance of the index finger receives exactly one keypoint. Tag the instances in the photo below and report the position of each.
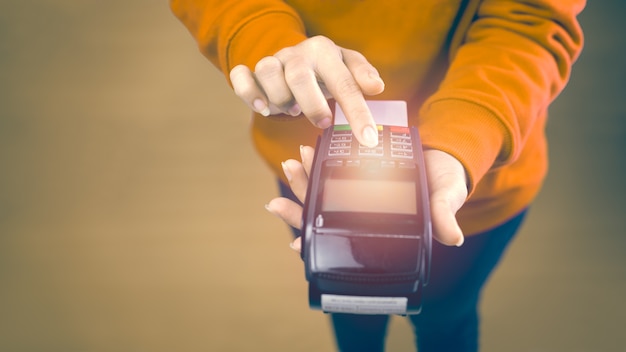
(346, 91)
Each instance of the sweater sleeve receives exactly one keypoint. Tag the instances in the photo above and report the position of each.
(233, 32)
(514, 60)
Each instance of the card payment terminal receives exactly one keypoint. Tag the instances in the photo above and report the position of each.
(366, 235)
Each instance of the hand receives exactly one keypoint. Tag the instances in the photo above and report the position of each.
(300, 79)
(446, 182)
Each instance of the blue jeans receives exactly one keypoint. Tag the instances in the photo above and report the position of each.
(449, 319)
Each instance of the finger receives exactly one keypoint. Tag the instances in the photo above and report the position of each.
(271, 76)
(306, 155)
(297, 177)
(346, 91)
(303, 84)
(287, 210)
(246, 88)
(366, 75)
(296, 244)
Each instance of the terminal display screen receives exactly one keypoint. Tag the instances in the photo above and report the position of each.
(369, 196)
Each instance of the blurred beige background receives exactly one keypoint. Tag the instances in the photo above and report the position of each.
(131, 200)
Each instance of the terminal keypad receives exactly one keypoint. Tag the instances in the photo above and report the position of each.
(394, 149)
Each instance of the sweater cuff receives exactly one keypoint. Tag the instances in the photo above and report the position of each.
(467, 131)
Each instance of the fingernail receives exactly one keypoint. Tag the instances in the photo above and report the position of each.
(261, 108)
(301, 152)
(324, 123)
(293, 248)
(459, 243)
(375, 76)
(294, 110)
(286, 171)
(370, 136)
(270, 210)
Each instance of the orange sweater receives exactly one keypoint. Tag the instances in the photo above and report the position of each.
(478, 76)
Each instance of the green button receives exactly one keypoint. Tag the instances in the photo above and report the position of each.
(342, 128)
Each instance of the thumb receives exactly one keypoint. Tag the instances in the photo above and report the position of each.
(364, 73)
(445, 227)
(448, 191)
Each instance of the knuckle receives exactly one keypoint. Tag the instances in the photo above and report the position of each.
(310, 47)
(347, 87)
(320, 41)
(297, 73)
(238, 73)
(285, 53)
(242, 86)
(268, 65)
(238, 70)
